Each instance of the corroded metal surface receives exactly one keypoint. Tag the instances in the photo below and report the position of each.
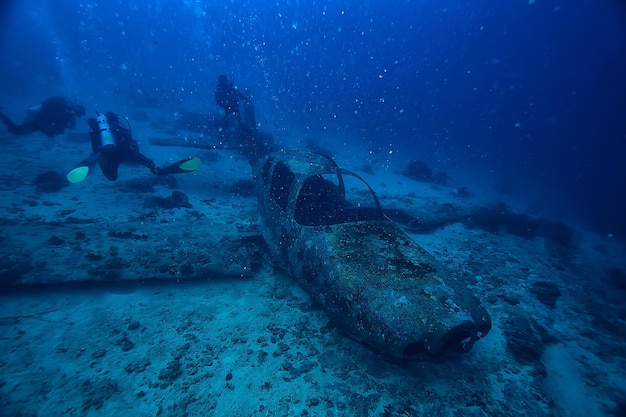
(374, 281)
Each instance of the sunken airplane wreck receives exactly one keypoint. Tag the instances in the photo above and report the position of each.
(372, 279)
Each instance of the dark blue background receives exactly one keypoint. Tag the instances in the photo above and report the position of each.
(533, 94)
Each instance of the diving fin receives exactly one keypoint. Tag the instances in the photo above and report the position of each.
(83, 169)
(78, 174)
(182, 166)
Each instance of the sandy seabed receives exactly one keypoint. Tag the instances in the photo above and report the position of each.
(165, 315)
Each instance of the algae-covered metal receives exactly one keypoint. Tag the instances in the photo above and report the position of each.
(370, 277)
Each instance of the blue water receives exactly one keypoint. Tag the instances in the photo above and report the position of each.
(530, 95)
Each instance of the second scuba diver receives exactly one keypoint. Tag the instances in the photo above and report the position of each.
(113, 144)
(51, 117)
(227, 97)
(249, 141)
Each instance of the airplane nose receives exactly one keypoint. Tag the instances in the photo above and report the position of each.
(455, 340)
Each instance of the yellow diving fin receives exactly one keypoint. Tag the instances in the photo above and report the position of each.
(182, 166)
(190, 164)
(78, 174)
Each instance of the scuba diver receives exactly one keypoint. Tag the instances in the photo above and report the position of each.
(254, 144)
(51, 117)
(113, 144)
(249, 118)
(227, 97)
(248, 140)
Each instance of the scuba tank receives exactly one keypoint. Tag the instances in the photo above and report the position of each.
(106, 134)
(35, 109)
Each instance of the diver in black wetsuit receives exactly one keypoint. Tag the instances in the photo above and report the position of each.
(254, 144)
(227, 97)
(51, 117)
(249, 117)
(248, 140)
(113, 144)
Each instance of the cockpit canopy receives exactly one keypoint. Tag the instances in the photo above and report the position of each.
(318, 192)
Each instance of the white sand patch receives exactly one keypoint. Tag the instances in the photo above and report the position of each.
(565, 384)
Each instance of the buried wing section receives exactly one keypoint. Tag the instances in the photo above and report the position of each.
(325, 226)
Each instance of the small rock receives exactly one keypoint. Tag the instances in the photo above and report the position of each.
(262, 356)
(546, 292)
(176, 199)
(99, 353)
(134, 325)
(50, 182)
(55, 241)
(137, 367)
(312, 402)
(523, 339)
(127, 345)
(172, 371)
(286, 366)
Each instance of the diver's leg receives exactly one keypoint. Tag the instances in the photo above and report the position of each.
(83, 169)
(28, 126)
(8, 122)
(248, 115)
(139, 158)
(94, 134)
(109, 167)
(239, 120)
(180, 167)
(223, 125)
